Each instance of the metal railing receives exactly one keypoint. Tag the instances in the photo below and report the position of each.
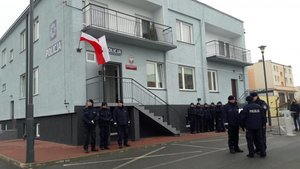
(129, 90)
(116, 21)
(219, 48)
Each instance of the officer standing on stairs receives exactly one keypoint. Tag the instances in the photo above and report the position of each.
(253, 119)
(231, 123)
(121, 119)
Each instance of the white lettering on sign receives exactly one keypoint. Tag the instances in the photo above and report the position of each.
(54, 49)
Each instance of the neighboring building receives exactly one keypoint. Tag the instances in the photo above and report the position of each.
(280, 80)
(165, 55)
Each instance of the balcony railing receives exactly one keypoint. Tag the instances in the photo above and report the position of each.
(228, 51)
(112, 20)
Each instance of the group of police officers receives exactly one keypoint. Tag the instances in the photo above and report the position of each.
(103, 117)
(252, 120)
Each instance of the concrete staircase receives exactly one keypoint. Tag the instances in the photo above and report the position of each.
(157, 119)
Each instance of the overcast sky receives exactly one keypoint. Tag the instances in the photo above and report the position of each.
(273, 23)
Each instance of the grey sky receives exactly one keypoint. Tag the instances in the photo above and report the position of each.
(273, 23)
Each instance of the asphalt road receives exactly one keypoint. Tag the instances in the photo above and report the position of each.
(282, 153)
(5, 165)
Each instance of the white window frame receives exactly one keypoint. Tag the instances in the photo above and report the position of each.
(36, 29)
(87, 58)
(3, 58)
(23, 86)
(11, 55)
(5, 127)
(35, 81)
(180, 38)
(23, 40)
(37, 130)
(183, 78)
(156, 75)
(213, 82)
(3, 87)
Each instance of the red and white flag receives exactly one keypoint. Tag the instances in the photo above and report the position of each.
(100, 47)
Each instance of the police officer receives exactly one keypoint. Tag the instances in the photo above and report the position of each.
(219, 118)
(253, 119)
(265, 107)
(199, 119)
(121, 119)
(231, 123)
(295, 114)
(104, 120)
(207, 118)
(212, 122)
(88, 117)
(192, 117)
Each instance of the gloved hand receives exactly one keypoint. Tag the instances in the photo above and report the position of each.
(115, 123)
(226, 125)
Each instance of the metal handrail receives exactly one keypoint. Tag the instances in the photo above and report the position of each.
(120, 22)
(143, 89)
(91, 4)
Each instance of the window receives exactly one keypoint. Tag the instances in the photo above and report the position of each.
(5, 127)
(286, 80)
(274, 67)
(291, 81)
(35, 81)
(35, 84)
(11, 55)
(186, 78)
(37, 130)
(212, 81)
(90, 57)
(22, 86)
(155, 75)
(36, 29)
(3, 58)
(184, 32)
(290, 72)
(23, 41)
(3, 87)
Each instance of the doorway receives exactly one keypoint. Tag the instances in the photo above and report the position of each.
(112, 82)
(234, 87)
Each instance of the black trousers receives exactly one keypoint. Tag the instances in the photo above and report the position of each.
(264, 140)
(193, 124)
(89, 137)
(220, 125)
(255, 135)
(104, 135)
(122, 135)
(233, 137)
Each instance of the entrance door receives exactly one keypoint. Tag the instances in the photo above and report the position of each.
(113, 86)
(234, 87)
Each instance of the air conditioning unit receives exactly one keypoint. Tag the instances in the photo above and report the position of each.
(241, 78)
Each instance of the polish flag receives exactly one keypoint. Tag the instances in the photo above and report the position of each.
(100, 47)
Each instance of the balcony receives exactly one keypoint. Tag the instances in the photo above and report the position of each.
(124, 28)
(219, 51)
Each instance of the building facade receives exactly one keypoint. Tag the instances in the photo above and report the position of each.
(279, 80)
(162, 53)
